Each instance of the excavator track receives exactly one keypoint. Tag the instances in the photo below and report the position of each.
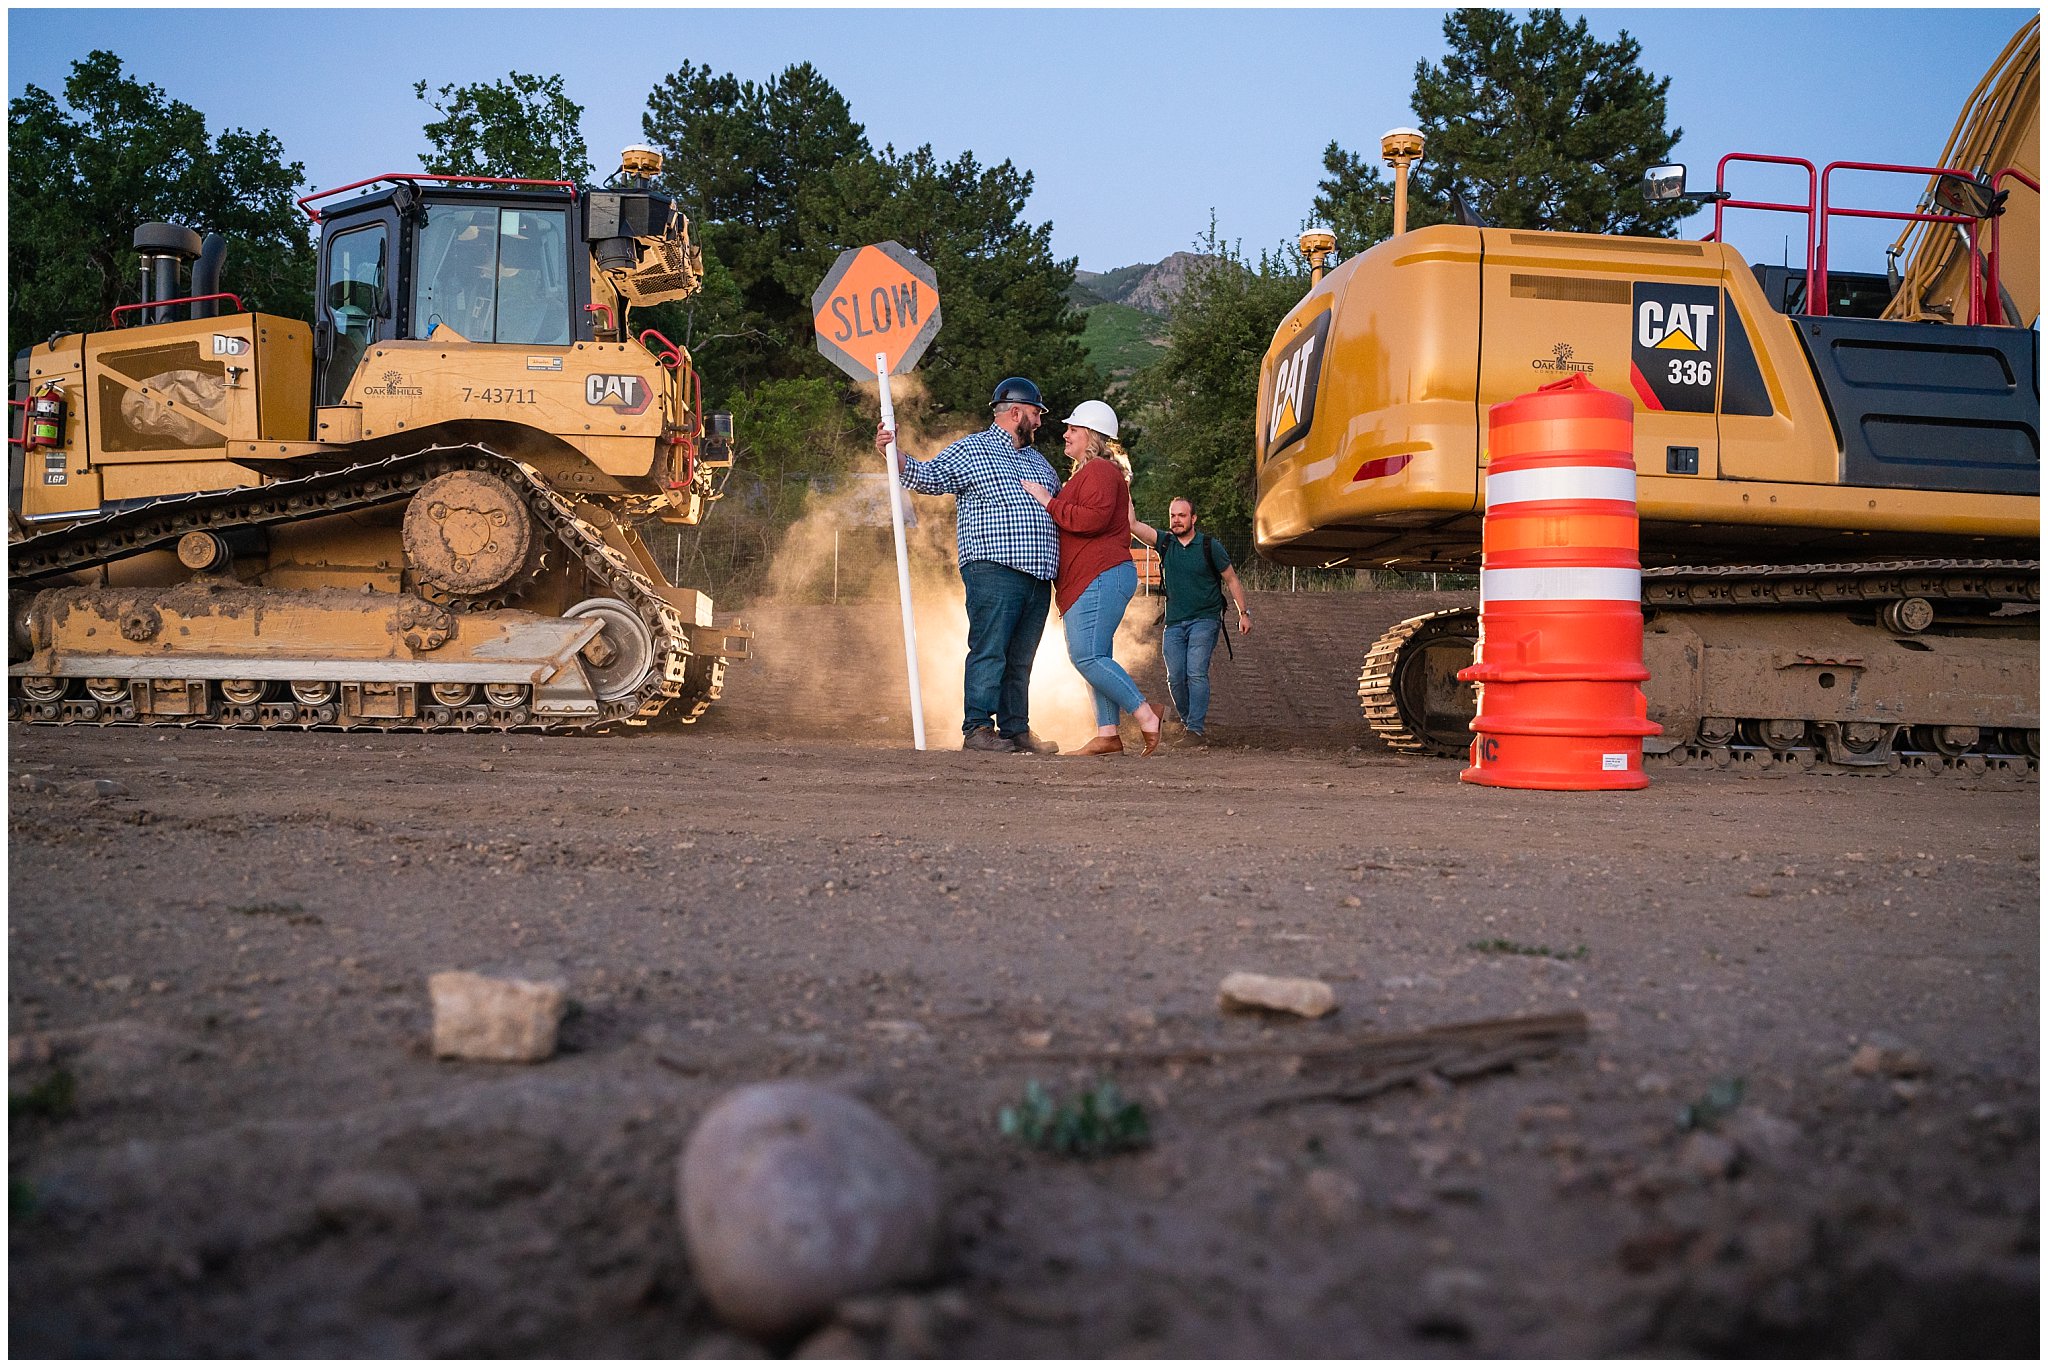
(679, 685)
(1412, 700)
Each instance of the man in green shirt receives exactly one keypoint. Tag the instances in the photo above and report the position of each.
(1194, 571)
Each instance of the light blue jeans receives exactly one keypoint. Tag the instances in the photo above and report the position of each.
(1187, 646)
(1091, 635)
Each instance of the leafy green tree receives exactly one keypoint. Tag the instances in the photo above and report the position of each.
(1197, 405)
(522, 126)
(1543, 126)
(779, 178)
(84, 171)
(765, 173)
(1004, 295)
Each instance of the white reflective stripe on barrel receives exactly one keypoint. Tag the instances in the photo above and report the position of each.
(1560, 482)
(1560, 582)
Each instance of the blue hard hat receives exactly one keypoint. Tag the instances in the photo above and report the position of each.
(1018, 390)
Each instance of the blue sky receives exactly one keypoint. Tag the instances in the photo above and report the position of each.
(1136, 122)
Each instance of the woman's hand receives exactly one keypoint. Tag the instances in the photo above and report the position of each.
(1037, 491)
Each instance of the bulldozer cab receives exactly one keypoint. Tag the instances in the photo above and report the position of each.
(492, 265)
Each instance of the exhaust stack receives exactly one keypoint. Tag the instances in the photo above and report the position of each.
(165, 248)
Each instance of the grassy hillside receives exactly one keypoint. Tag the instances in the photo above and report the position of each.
(1122, 340)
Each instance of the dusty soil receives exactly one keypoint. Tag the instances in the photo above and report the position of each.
(1804, 1119)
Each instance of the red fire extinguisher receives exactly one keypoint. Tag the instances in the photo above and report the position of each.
(45, 425)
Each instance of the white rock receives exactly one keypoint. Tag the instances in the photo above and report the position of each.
(1303, 997)
(794, 1197)
(501, 1019)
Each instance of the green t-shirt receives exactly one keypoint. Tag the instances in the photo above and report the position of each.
(1192, 576)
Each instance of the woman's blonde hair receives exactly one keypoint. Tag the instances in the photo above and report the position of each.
(1099, 445)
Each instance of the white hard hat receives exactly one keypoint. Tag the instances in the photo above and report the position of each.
(1094, 415)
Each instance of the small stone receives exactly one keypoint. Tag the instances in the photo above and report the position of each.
(726, 1346)
(1886, 1056)
(1761, 1134)
(504, 1020)
(1708, 1155)
(1409, 1206)
(1141, 1019)
(1034, 1040)
(913, 1330)
(35, 783)
(1653, 1084)
(487, 767)
(1336, 1194)
(1260, 992)
(109, 788)
(118, 983)
(833, 1342)
(367, 1199)
(1353, 900)
(794, 1198)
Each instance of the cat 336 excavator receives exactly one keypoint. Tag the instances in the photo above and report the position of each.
(417, 512)
(1838, 474)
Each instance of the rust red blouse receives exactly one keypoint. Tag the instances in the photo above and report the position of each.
(1093, 515)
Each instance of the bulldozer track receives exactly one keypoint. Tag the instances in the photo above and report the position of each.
(1388, 693)
(679, 687)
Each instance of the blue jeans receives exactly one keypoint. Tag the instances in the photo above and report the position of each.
(1006, 611)
(1187, 646)
(1091, 636)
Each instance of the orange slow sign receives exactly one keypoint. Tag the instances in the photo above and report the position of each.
(876, 299)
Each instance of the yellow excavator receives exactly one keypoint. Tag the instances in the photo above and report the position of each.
(1838, 473)
(417, 511)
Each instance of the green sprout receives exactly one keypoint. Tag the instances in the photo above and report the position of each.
(53, 1099)
(1722, 1096)
(1099, 1121)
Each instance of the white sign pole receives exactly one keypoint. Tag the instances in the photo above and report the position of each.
(902, 554)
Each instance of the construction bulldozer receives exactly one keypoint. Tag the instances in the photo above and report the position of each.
(1837, 473)
(419, 511)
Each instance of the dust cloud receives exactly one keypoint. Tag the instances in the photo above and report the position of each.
(842, 551)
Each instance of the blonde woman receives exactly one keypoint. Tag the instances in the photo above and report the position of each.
(1096, 578)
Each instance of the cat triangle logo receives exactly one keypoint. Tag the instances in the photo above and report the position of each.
(1283, 418)
(1676, 340)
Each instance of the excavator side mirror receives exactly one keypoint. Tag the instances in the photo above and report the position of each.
(1968, 196)
(1662, 183)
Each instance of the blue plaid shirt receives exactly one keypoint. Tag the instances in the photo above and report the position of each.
(998, 520)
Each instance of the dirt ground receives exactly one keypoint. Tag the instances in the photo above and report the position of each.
(1803, 1120)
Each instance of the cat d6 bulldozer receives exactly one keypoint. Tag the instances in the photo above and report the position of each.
(421, 510)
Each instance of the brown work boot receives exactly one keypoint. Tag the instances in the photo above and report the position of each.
(1035, 744)
(1102, 745)
(986, 739)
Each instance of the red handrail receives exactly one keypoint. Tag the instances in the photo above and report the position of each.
(22, 440)
(1812, 191)
(120, 309)
(1997, 305)
(606, 310)
(411, 177)
(1817, 278)
(674, 357)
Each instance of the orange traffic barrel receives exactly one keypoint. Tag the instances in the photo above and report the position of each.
(1560, 661)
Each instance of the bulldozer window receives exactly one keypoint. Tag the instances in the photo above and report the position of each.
(354, 287)
(494, 275)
